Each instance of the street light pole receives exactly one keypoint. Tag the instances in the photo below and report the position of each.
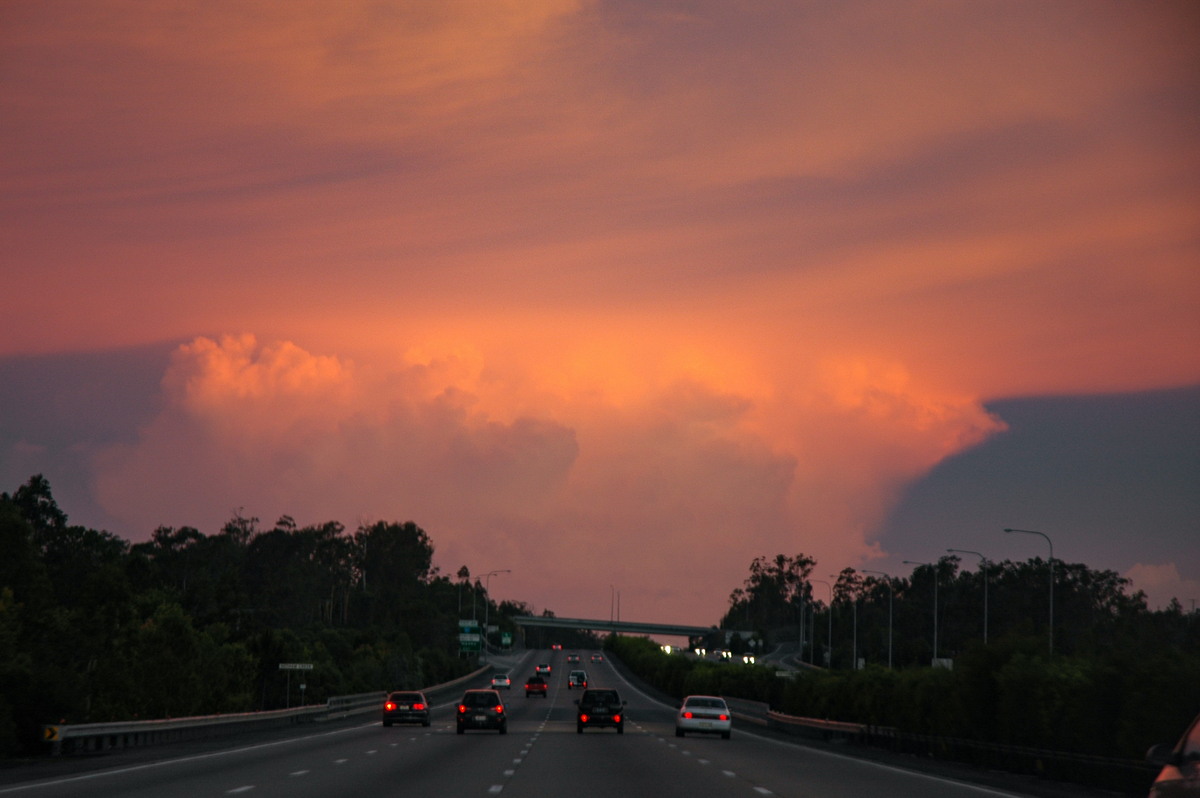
(983, 570)
(829, 642)
(888, 582)
(1051, 544)
(487, 604)
(935, 602)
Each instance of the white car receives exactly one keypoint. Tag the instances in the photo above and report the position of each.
(501, 680)
(708, 714)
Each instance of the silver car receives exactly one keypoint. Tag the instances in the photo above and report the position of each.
(708, 714)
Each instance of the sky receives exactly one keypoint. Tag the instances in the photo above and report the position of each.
(614, 296)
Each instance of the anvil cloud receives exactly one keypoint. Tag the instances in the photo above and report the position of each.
(606, 293)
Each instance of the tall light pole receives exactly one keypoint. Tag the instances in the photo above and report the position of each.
(487, 604)
(829, 642)
(983, 571)
(888, 582)
(1051, 544)
(935, 602)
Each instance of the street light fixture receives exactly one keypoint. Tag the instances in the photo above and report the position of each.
(935, 602)
(1051, 544)
(888, 582)
(487, 603)
(829, 642)
(983, 570)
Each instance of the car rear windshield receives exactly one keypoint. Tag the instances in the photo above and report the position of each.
(600, 697)
(406, 698)
(481, 699)
(714, 703)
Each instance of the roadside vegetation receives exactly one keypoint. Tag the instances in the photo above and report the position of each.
(1121, 677)
(94, 629)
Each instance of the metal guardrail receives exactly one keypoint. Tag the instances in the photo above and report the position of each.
(816, 727)
(1122, 776)
(80, 737)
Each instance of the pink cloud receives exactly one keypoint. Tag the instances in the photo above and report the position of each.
(587, 490)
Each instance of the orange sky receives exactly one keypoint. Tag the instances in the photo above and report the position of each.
(603, 292)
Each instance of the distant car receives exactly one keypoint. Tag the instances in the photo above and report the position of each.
(406, 707)
(600, 708)
(542, 669)
(501, 681)
(536, 686)
(556, 647)
(1180, 763)
(481, 709)
(577, 679)
(597, 658)
(571, 658)
(704, 713)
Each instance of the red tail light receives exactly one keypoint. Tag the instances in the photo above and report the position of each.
(462, 708)
(617, 718)
(389, 706)
(583, 718)
(418, 707)
(723, 717)
(687, 715)
(499, 709)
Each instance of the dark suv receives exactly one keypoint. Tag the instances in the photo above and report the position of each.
(482, 709)
(406, 707)
(599, 708)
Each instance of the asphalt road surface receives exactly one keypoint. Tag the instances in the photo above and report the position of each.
(542, 755)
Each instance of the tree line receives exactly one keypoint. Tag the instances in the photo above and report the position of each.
(877, 617)
(1115, 678)
(94, 628)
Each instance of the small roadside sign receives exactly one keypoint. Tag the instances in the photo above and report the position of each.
(295, 666)
(50, 734)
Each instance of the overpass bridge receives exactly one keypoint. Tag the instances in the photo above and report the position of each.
(622, 627)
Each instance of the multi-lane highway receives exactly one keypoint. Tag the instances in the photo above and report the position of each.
(542, 755)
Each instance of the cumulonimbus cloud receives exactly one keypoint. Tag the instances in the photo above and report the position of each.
(583, 492)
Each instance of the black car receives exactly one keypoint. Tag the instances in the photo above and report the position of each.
(599, 708)
(406, 707)
(1180, 763)
(482, 709)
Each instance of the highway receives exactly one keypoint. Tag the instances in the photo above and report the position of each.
(542, 755)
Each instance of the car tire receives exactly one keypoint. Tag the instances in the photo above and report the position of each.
(504, 729)
(621, 729)
(387, 724)
(579, 728)
(426, 722)
(678, 732)
(461, 729)
(725, 735)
